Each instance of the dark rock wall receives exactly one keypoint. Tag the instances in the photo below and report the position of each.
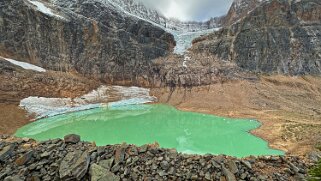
(277, 37)
(238, 10)
(196, 70)
(92, 38)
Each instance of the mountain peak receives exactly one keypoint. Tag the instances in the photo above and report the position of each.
(239, 9)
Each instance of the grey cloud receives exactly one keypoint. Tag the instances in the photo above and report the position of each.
(190, 9)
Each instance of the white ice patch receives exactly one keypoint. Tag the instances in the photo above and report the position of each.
(96, 96)
(42, 8)
(131, 101)
(47, 107)
(25, 65)
(133, 92)
(184, 64)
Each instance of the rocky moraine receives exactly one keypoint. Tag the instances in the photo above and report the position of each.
(72, 159)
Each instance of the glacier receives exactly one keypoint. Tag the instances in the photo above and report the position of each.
(184, 39)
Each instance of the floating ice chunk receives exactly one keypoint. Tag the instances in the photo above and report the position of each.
(132, 101)
(25, 65)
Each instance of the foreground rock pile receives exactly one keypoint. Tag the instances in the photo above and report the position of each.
(71, 159)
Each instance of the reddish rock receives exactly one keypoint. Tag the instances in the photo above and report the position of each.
(24, 158)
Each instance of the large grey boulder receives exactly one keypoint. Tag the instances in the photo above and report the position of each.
(228, 174)
(74, 165)
(72, 138)
(99, 173)
(107, 164)
(232, 166)
(6, 152)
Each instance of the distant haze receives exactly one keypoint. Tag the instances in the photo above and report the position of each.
(186, 10)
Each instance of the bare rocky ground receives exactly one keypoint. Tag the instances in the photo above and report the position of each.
(18, 83)
(288, 107)
(71, 159)
(18, 117)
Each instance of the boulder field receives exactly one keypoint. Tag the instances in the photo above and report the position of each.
(72, 159)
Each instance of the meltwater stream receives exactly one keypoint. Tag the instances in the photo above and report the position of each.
(188, 132)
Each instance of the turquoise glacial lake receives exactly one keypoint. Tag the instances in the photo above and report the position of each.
(188, 132)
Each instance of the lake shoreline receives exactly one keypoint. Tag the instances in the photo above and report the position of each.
(285, 124)
(188, 132)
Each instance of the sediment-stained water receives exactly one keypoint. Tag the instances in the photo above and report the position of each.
(141, 124)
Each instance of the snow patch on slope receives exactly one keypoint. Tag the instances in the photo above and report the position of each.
(42, 8)
(25, 65)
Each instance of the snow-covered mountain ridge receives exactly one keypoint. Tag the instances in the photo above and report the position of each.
(185, 32)
(139, 9)
(238, 8)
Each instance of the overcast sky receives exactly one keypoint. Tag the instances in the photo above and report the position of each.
(200, 10)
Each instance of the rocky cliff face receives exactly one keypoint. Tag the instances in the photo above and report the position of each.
(239, 9)
(192, 70)
(93, 38)
(278, 36)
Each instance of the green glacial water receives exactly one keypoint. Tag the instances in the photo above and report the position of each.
(141, 124)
